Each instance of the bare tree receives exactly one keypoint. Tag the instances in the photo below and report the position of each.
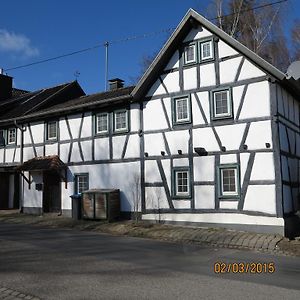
(296, 40)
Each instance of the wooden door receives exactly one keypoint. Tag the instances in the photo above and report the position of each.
(4, 190)
(51, 192)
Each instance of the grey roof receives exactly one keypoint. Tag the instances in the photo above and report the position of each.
(186, 24)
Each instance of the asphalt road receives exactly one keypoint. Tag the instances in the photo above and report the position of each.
(70, 264)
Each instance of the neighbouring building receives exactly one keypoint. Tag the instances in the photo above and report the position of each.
(208, 136)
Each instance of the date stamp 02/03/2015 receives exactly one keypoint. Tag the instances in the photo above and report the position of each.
(244, 267)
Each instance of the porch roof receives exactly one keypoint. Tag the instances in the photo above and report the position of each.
(43, 163)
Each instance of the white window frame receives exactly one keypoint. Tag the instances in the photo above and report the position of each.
(188, 118)
(211, 56)
(107, 123)
(48, 130)
(229, 112)
(77, 176)
(186, 61)
(123, 129)
(9, 140)
(231, 193)
(178, 193)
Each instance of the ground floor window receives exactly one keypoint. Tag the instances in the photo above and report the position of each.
(81, 182)
(181, 182)
(229, 184)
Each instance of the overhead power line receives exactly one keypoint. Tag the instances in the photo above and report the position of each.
(127, 39)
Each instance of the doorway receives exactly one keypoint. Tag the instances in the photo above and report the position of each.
(4, 190)
(51, 192)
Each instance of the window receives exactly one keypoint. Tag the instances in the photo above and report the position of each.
(206, 50)
(120, 120)
(229, 182)
(181, 182)
(81, 183)
(222, 107)
(52, 130)
(2, 137)
(12, 135)
(102, 123)
(182, 110)
(190, 54)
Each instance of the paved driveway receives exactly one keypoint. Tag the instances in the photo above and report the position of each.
(69, 264)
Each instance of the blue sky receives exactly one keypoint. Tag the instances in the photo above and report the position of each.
(33, 30)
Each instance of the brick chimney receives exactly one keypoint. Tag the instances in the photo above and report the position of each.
(5, 86)
(115, 84)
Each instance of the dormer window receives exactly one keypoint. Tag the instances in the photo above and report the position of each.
(190, 54)
(11, 135)
(206, 50)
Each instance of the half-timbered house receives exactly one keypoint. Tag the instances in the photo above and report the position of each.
(211, 130)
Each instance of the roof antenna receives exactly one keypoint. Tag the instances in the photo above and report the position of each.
(106, 44)
(76, 74)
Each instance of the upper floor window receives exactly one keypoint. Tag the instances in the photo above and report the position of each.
(181, 182)
(190, 54)
(221, 104)
(52, 130)
(182, 110)
(120, 120)
(228, 181)
(2, 137)
(12, 136)
(81, 183)
(206, 50)
(102, 123)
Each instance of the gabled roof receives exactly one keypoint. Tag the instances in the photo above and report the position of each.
(190, 20)
(27, 103)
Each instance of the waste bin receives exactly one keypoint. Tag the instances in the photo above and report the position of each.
(76, 207)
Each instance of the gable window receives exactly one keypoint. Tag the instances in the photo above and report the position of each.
(228, 181)
(222, 106)
(2, 137)
(120, 120)
(11, 135)
(181, 182)
(102, 123)
(81, 183)
(206, 50)
(52, 130)
(190, 54)
(182, 110)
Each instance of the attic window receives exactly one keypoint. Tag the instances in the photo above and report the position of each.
(206, 50)
(190, 54)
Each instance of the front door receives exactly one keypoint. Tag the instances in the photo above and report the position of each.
(51, 192)
(4, 190)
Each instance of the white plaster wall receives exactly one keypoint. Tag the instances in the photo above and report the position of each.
(64, 152)
(178, 140)
(9, 155)
(75, 156)
(225, 50)
(258, 95)
(39, 150)
(154, 117)
(154, 144)
(156, 89)
(197, 33)
(204, 168)
(168, 106)
(263, 167)
(261, 198)
(116, 175)
(37, 130)
(174, 61)
(171, 81)
(207, 75)
(118, 145)
(51, 149)
(197, 116)
(204, 100)
(151, 171)
(27, 153)
(249, 70)
(66, 202)
(180, 162)
(135, 117)
(86, 147)
(32, 197)
(229, 204)
(18, 153)
(1, 155)
(166, 164)
(63, 130)
(244, 158)
(74, 121)
(156, 198)
(181, 204)
(190, 78)
(101, 148)
(228, 159)
(231, 135)
(228, 69)
(259, 134)
(87, 125)
(204, 197)
(236, 97)
(205, 138)
(133, 147)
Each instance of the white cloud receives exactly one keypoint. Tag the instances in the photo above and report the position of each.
(17, 43)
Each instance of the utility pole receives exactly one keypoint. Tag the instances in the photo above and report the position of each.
(106, 44)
